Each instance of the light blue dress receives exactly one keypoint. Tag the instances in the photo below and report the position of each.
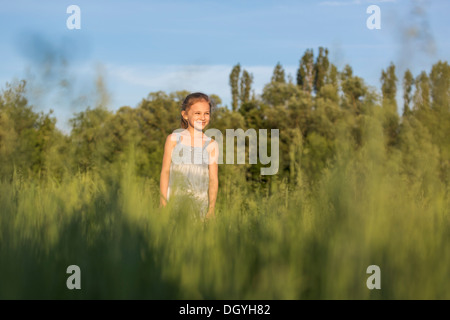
(189, 174)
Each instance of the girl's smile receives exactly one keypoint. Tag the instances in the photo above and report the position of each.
(198, 115)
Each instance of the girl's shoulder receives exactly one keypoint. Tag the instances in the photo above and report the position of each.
(172, 139)
(212, 144)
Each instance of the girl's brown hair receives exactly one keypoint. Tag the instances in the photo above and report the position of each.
(192, 99)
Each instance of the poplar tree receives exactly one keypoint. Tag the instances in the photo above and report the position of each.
(440, 85)
(234, 84)
(246, 86)
(278, 91)
(421, 96)
(305, 72)
(389, 91)
(278, 75)
(321, 69)
(354, 89)
(408, 82)
(389, 86)
(439, 124)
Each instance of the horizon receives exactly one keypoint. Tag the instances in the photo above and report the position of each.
(141, 47)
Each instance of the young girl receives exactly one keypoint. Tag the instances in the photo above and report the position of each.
(183, 171)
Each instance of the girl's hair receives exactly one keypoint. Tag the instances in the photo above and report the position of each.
(192, 99)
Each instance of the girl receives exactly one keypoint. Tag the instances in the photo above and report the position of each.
(183, 171)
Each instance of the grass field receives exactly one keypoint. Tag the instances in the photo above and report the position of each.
(299, 242)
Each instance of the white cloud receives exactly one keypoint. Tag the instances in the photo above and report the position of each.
(211, 79)
(129, 84)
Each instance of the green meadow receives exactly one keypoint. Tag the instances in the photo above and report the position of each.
(358, 185)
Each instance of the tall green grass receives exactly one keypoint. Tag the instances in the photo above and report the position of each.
(299, 242)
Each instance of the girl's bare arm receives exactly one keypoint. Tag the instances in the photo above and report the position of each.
(213, 176)
(165, 170)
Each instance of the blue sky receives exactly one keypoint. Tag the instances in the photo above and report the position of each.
(145, 46)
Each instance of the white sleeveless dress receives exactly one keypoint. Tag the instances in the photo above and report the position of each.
(189, 174)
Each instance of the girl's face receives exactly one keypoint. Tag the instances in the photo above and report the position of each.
(198, 115)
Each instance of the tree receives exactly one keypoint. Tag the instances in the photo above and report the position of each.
(408, 82)
(330, 88)
(333, 76)
(234, 84)
(354, 90)
(246, 86)
(440, 86)
(389, 91)
(422, 94)
(90, 148)
(278, 75)
(321, 69)
(277, 91)
(25, 136)
(389, 87)
(241, 86)
(305, 72)
(439, 115)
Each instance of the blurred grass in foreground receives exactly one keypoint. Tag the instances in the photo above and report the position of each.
(298, 243)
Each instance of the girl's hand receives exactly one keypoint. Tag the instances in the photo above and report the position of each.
(162, 202)
(210, 214)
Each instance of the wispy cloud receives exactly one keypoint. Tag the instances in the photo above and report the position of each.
(169, 78)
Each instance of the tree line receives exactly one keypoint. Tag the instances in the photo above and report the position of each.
(313, 113)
